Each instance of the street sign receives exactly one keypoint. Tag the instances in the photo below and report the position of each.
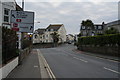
(24, 19)
(26, 27)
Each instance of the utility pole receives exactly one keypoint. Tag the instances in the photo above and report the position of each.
(23, 5)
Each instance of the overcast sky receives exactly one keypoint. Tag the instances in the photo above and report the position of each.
(72, 13)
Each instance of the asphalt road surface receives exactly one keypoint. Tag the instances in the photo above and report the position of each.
(65, 63)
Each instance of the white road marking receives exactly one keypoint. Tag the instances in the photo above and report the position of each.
(106, 59)
(45, 64)
(112, 70)
(35, 66)
(80, 59)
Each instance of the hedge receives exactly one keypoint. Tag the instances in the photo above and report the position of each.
(9, 45)
(101, 40)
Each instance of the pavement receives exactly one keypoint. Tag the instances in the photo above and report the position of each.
(30, 67)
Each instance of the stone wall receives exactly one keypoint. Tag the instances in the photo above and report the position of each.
(105, 50)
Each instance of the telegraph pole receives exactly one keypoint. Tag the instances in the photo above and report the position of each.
(23, 5)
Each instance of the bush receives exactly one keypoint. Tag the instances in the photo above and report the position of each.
(9, 47)
(101, 40)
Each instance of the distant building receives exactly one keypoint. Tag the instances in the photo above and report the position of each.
(60, 29)
(97, 29)
(70, 38)
(44, 35)
(38, 35)
(76, 37)
(114, 24)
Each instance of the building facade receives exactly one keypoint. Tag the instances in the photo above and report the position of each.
(113, 24)
(96, 30)
(5, 9)
(70, 38)
(45, 35)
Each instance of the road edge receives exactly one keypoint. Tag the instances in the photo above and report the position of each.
(117, 60)
(45, 67)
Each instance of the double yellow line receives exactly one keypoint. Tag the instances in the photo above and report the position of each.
(46, 66)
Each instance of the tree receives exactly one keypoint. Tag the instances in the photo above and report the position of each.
(55, 37)
(111, 31)
(88, 23)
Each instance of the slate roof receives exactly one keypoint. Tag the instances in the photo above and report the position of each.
(41, 31)
(117, 22)
(55, 27)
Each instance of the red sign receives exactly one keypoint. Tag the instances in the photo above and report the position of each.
(18, 20)
(15, 28)
(15, 25)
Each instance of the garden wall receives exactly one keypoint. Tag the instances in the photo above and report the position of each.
(103, 44)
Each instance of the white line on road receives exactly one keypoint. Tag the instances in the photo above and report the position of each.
(46, 66)
(112, 70)
(80, 59)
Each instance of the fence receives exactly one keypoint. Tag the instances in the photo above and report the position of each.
(9, 45)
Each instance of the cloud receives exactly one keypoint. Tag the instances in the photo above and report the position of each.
(72, 13)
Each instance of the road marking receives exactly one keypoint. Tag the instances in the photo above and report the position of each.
(98, 57)
(35, 66)
(80, 59)
(46, 66)
(112, 70)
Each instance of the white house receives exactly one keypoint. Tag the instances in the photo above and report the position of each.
(5, 10)
(113, 24)
(58, 28)
(44, 35)
(70, 38)
(38, 35)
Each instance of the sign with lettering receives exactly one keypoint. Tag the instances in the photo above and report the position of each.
(24, 19)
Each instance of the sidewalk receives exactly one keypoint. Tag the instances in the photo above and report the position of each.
(29, 68)
(99, 55)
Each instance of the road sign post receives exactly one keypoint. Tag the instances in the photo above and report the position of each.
(23, 21)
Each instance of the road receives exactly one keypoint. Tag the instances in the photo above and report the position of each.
(65, 63)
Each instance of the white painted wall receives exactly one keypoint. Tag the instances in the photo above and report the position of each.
(1, 13)
(0, 73)
(8, 5)
(62, 33)
(5, 70)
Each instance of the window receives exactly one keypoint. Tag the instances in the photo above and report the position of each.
(83, 27)
(52, 30)
(6, 15)
(99, 27)
(95, 27)
(35, 36)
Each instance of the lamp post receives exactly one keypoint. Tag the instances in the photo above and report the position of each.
(23, 5)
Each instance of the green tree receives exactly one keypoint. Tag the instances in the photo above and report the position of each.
(111, 31)
(88, 23)
(55, 37)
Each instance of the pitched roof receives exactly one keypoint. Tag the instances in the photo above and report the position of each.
(55, 27)
(41, 31)
(117, 22)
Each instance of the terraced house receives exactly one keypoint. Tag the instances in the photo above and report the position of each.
(45, 35)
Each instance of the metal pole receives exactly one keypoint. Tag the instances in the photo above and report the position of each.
(23, 5)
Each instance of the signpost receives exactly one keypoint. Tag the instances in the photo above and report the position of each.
(24, 20)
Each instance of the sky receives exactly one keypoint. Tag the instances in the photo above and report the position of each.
(71, 13)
